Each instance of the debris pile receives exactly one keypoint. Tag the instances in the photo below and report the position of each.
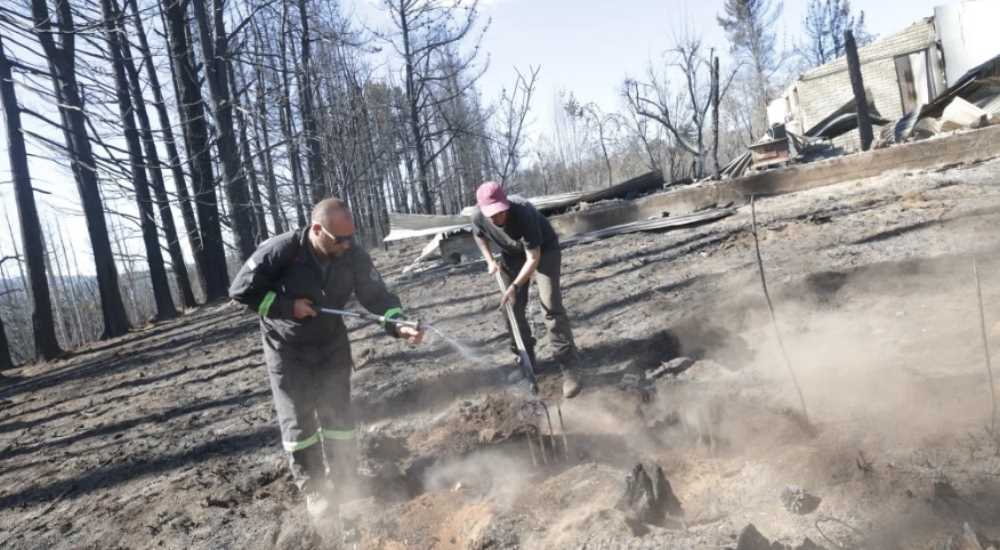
(969, 539)
(971, 103)
(936, 76)
(751, 539)
(649, 502)
(797, 501)
(577, 218)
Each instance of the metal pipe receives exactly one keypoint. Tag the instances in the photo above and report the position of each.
(369, 316)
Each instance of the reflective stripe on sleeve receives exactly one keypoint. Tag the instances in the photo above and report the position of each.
(265, 305)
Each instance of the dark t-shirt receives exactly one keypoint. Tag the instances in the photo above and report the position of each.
(526, 228)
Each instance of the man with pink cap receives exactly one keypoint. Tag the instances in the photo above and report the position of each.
(529, 247)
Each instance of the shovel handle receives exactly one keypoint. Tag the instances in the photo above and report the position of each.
(527, 368)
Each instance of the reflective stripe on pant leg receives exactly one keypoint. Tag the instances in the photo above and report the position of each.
(291, 387)
(292, 446)
(336, 417)
(337, 435)
(333, 383)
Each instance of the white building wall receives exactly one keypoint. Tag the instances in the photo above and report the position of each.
(968, 35)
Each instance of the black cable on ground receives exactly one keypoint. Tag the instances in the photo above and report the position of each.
(986, 348)
(770, 308)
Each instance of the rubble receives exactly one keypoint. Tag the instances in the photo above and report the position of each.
(925, 128)
(947, 74)
(751, 539)
(656, 223)
(407, 226)
(972, 102)
(962, 114)
(780, 146)
(674, 367)
(499, 535)
(969, 539)
(611, 210)
(797, 501)
(943, 489)
(648, 501)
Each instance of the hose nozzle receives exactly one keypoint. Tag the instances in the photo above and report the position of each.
(414, 324)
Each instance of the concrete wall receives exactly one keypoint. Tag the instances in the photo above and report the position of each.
(972, 146)
(825, 88)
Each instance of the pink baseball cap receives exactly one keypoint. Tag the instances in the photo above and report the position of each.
(491, 199)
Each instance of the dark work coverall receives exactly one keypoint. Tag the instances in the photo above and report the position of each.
(309, 361)
(527, 228)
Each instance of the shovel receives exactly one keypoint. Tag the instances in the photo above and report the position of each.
(527, 368)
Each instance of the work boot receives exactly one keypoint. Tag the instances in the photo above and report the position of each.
(569, 364)
(571, 385)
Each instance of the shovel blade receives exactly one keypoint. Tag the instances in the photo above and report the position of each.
(528, 370)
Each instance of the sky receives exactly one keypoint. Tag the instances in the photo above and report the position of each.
(589, 47)
(584, 46)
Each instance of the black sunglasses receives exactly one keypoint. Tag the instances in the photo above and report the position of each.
(338, 239)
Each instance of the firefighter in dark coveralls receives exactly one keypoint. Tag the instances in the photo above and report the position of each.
(308, 356)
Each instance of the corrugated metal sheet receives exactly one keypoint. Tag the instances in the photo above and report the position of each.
(648, 225)
(408, 226)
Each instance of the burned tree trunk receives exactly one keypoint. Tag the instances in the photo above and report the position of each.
(6, 363)
(260, 223)
(215, 278)
(154, 167)
(43, 328)
(261, 130)
(176, 170)
(413, 118)
(288, 123)
(858, 85)
(715, 116)
(214, 45)
(648, 501)
(154, 258)
(314, 156)
(61, 61)
(74, 291)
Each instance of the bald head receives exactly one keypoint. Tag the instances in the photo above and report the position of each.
(331, 219)
(331, 212)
